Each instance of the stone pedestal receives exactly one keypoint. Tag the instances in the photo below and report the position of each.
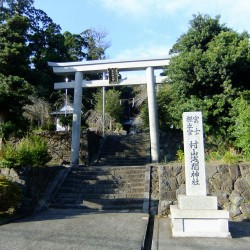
(199, 222)
(198, 216)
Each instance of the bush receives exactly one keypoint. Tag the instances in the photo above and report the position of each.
(31, 151)
(241, 130)
(6, 129)
(10, 195)
(9, 155)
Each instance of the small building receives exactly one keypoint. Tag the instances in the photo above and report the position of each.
(67, 109)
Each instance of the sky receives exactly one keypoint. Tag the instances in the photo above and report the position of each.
(142, 28)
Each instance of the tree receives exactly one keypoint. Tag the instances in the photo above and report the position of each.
(113, 109)
(75, 45)
(28, 40)
(14, 54)
(14, 92)
(96, 44)
(209, 69)
(14, 68)
(38, 113)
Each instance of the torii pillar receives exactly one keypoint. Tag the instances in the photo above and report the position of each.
(76, 123)
(78, 68)
(153, 115)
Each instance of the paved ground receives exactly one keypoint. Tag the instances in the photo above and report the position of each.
(163, 240)
(72, 229)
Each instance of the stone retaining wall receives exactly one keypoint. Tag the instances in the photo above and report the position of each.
(231, 184)
(33, 181)
(59, 144)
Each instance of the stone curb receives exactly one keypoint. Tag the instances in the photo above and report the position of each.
(145, 234)
(52, 189)
(155, 238)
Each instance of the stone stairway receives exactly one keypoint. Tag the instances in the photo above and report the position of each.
(125, 150)
(119, 180)
(104, 188)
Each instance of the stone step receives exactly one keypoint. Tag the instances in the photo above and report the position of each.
(79, 188)
(106, 168)
(71, 197)
(118, 157)
(120, 163)
(116, 177)
(108, 174)
(118, 173)
(99, 207)
(124, 159)
(115, 180)
(101, 201)
(84, 191)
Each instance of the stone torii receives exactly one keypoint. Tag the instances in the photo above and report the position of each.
(99, 66)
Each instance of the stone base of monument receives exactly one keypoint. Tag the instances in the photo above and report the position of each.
(199, 217)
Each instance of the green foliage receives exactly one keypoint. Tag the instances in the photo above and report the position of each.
(202, 30)
(6, 129)
(231, 158)
(112, 107)
(213, 156)
(241, 129)
(31, 151)
(96, 44)
(180, 156)
(66, 121)
(210, 68)
(9, 155)
(14, 54)
(28, 40)
(144, 115)
(10, 195)
(13, 88)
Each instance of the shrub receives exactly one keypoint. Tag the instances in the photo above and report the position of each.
(6, 129)
(231, 158)
(10, 195)
(9, 155)
(180, 156)
(33, 151)
(241, 129)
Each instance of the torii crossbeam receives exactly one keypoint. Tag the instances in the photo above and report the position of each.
(79, 68)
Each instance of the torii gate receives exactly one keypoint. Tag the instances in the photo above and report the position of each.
(99, 66)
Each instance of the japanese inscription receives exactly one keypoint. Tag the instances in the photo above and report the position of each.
(194, 153)
(192, 128)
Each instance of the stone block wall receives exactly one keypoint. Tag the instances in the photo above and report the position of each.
(33, 182)
(59, 144)
(231, 184)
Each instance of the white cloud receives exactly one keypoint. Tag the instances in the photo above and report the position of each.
(127, 7)
(144, 51)
(235, 13)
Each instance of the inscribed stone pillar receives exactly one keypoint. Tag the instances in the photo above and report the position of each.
(194, 154)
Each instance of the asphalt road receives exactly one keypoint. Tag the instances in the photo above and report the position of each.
(72, 229)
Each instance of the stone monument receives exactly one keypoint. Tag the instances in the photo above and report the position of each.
(196, 214)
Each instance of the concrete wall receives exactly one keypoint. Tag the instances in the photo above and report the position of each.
(231, 184)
